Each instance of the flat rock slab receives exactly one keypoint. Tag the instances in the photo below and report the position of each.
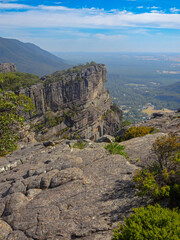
(63, 193)
(139, 149)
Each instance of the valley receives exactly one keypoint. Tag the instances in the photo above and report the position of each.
(138, 80)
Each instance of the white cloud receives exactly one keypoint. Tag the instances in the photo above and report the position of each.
(168, 72)
(60, 16)
(54, 8)
(109, 37)
(174, 10)
(153, 7)
(140, 7)
(14, 6)
(157, 11)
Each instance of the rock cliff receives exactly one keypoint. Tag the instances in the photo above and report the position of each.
(77, 103)
(7, 67)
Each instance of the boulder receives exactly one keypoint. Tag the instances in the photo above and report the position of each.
(7, 67)
(106, 138)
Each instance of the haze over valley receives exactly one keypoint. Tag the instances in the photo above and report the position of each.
(138, 82)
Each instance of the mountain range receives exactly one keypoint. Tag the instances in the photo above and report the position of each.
(29, 57)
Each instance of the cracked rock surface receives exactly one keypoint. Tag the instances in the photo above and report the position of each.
(59, 192)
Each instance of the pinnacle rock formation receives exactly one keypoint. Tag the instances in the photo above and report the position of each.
(77, 100)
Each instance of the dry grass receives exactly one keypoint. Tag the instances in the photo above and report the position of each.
(151, 110)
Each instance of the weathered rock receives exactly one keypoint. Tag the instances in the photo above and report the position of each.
(169, 122)
(139, 149)
(79, 100)
(84, 192)
(157, 114)
(7, 67)
(65, 176)
(17, 235)
(48, 143)
(47, 178)
(16, 202)
(106, 138)
(31, 193)
(17, 187)
(5, 230)
(121, 132)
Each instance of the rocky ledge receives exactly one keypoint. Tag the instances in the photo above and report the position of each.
(52, 190)
(74, 103)
(60, 192)
(7, 67)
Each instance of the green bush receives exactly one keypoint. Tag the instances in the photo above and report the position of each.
(48, 122)
(115, 108)
(147, 184)
(126, 123)
(80, 144)
(14, 81)
(161, 179)
(115, 148)
(150, 223)
(12, 108)
(59, 75)
(134, 132)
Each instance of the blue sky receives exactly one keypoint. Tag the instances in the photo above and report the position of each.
(94, 25)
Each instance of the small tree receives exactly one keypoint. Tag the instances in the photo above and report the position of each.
(166, 148)
(12, 108)
(162, 178)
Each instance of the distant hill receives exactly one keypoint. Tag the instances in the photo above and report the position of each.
(29, 57)
(175, 87)
(169, 94)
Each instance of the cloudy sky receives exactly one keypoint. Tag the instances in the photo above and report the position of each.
(94, 25)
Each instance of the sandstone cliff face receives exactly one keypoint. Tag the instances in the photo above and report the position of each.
(79, 97)
(7, 67)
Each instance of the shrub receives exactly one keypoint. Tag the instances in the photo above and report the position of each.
(49, 121)
(126, 123)
(134, 132)
(162, 179)
(115, 108)
(59, 75)
(150, 223)
(166, 149)
(80, 144)
(115, 148)
(147, 184)
(12, 108)
(14, 81)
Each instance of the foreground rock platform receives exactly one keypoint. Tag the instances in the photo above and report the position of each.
(53, 191)
(59, 192)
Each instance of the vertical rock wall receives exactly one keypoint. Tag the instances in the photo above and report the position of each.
(81, 93)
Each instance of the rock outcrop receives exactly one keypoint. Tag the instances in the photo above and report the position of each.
(53, 191)
(166, 123)
(7, 67)
(77, 101)
(64, 193)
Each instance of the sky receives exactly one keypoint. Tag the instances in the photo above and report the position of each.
(94, 25)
